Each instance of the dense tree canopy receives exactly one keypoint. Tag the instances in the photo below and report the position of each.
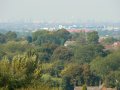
(2, 38)
(57, 37)
(107, 67)
(86, 53)
(40, 61)
(11, 35)
(92, 37)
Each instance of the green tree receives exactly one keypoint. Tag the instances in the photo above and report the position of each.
(11, 35)
(81, 38)
(29, 39)
(2, 38)
(92, 37)
(66, 84)
(86, 53)
(62, 53)
(109, 40)
(45, 51)
(84, 87)
(38, 33)
(106, 67)
(63, 34)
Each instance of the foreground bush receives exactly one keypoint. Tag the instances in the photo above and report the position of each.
(84, 87)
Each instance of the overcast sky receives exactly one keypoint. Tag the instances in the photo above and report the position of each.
(60, 10)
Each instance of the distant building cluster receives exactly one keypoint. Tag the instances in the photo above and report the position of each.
(27, 27)
(78, 30)
(115, 45)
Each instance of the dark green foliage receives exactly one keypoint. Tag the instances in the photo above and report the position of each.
(66, 84)
(62, 53)
(11, 35)
(86, 53)
(45, 51)
(29, 39)
(41, 37)
(63, 35)
(92, 37)
(38, 33)
(107, 68)
(80, 37)
(56, 37)
(2, 38)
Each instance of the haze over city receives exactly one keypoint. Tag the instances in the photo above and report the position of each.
(60, 10)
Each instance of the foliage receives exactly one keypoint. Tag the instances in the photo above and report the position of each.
(92, 37)
(41, 62)
(56, 37)
(29, 39)
(84, 87)
(2, 38)
(11, 35)
(86, 53)
(109, 40)
(107, 68)
(12, 48)
(62, 53)
(66, 84)
(15, 73)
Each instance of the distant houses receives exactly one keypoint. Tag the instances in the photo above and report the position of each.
(72, 42)
(95, 88)
(109, 46)
(78, 30)
(115, 45)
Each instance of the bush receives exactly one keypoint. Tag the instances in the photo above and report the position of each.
(84, 87)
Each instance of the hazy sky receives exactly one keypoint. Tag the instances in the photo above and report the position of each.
(60, 10)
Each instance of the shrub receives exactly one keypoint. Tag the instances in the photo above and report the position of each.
(84, 87)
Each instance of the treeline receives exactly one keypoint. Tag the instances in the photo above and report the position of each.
(41, 61)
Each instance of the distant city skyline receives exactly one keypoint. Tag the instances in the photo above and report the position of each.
(60, 10)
